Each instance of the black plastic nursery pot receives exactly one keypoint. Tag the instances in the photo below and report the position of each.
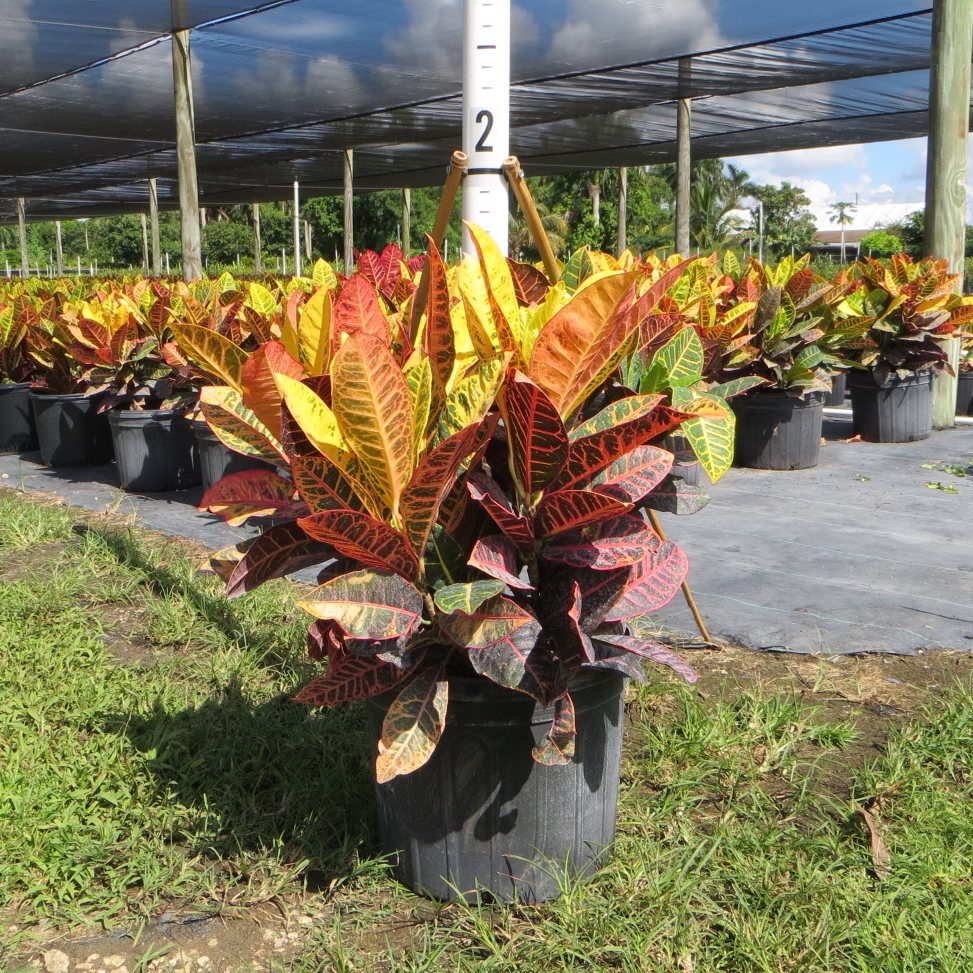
(482, 817)
(217, 460)
(70, 430)
(839, 386)
(777, 431)
(17, 430)
(155, 450)
(964, 394)
(900, 412)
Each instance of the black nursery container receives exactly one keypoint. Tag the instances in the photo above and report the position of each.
(839, 386)
(217, 460)
(70, 430)
(777, 431)
(900, 412)
(155, 450)
(17, 430)
(482, 817)
(964, 394)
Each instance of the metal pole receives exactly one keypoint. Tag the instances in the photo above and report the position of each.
(406, 222)
(154, 227)
(486, 117)
(192, 265)
(349, 221)
(258, 260)
(22, 228)
(297, 229)
(949, 127)
(683, 158)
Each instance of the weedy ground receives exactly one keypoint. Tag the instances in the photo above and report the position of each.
(164, 806)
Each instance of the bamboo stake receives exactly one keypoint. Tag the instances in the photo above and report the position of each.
(515, 176)
(687, 594)
(457, 165)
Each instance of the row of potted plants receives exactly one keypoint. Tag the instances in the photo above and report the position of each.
(741, 325)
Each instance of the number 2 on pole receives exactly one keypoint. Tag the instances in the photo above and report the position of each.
(481, 143)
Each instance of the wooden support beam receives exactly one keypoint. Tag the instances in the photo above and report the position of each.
(683, 158)
(406, 222)
(192, 263)
(258, 260)
(143, 220)
(156, 247)
(349, 221)
(515, 177)
(59, 248)
(946, 165)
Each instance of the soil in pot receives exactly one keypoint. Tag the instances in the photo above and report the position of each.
(17, 430)
(217, 460)
(964, 394)
(900, 412)
(482, 817)
(777, 431)
(155, 450)
(70, 430)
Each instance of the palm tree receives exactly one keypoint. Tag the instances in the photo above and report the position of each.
(843, 215)
(522, 244)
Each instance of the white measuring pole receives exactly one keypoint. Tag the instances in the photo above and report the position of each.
(486, 117)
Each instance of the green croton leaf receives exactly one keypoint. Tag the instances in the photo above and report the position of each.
(466, 598)
(413, 725)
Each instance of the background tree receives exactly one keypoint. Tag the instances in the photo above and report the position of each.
(788, 223)
(843, 215)
(880, 243)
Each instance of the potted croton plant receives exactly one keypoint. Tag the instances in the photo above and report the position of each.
(470, 493)
(908, 309)
(772, 327)
(17, 429)
(130, 367)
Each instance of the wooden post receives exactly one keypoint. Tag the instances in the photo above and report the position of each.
(258, 260)
(622, 211)
(297, 228)
(145, 243)
(683, 158)
(22, 227)
(349, 176)
(406, 222)
(59, 251)
(515, 178)
(192, 264)
(156, 248)
(949, 127)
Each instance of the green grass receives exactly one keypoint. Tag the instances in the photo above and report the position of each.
(178, 776)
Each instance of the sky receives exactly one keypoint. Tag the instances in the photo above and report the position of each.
(880, 172)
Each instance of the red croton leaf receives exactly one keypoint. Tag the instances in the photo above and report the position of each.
(283, 549)
(324, 638)
(322, 485)
(252, 493)
(530, 285)
(431, 481)
(350, 677)
(493, 500)
(653, 582)
(357, 309)
(260, 392)
(653, 651)
(566, 510)
(591, 454)
(616, 543)
(562, 622)
(536, 437)
(496, 556)
(634, 475)
(359, 535)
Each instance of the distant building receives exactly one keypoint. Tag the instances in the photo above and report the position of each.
(864, 219)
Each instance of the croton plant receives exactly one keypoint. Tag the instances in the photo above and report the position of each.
(470, 488)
